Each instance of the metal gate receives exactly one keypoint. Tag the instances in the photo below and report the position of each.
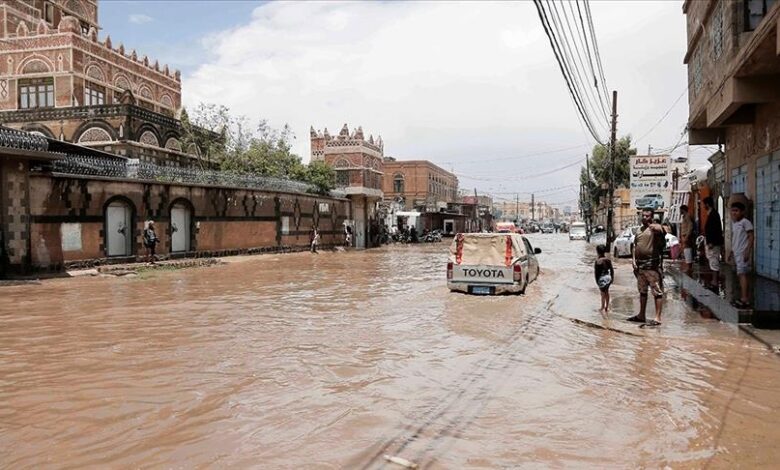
(767, 226)
(180, 228)
(119, 228)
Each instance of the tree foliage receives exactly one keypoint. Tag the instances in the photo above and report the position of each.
(232, 143)
(601, 172)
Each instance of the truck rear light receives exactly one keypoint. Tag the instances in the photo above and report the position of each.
(517, 272)
(449, 271)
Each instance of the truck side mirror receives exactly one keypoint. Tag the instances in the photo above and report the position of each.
(537, 251)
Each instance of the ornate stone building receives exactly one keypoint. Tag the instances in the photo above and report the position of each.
(358, 163)
(60, 80)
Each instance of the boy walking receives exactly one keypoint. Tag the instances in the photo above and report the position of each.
(741, 250)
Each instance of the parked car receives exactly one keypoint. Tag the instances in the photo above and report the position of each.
(624, 243)
(650, 201)
(491, 263)
(577, 231)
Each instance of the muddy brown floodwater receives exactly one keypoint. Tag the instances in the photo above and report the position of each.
(335, 360)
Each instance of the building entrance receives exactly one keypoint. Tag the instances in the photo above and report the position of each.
(119, 229)
(181, 220)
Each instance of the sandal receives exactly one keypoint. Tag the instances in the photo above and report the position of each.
(740, 304)
(636, 319)
(651, 323)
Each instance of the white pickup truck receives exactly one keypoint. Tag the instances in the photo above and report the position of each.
(491, 263)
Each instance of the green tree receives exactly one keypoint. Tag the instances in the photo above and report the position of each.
(230, 143)
(321, 176)
(602, 173)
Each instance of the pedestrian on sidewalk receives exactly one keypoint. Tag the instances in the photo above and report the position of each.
(347, 236)
(647, 261)
(605, 275)
(150, 241)
(686, 238)
(713, 237)
(314, 239)
(741, 250)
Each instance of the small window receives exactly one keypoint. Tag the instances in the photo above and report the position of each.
(398, 184)
(94, 95)
(36, 93)
(48, 12)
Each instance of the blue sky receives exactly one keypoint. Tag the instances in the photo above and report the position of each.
(170, 31)
(470, 86)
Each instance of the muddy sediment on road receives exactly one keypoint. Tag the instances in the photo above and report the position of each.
(335, 360)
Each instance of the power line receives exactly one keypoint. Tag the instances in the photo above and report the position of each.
(579, 66)
(523, 177)
(517, 157)
(553, 43)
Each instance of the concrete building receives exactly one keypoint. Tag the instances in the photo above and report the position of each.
(523, 211)
(60, 80)
(733, 60)
(359, 166)
(419, 185)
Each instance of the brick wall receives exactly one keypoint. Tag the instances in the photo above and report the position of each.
(68, 221)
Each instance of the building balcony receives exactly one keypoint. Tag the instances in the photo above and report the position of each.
(88, 112)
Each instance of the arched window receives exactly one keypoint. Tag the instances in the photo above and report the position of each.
(398, 183)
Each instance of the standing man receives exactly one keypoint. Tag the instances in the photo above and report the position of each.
(686, 238)
(741, 250)
(647, 261)
(713, 236)
(314, 239)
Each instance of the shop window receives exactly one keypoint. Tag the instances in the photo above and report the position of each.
(94, 94)
(36, 93)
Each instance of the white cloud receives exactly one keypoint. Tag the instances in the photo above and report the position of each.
(140, 18)
(453, 82)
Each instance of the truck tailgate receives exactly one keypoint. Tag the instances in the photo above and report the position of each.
(481, 274)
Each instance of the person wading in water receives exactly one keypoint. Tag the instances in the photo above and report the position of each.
(647, 262)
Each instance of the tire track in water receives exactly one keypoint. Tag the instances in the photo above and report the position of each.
(460, 388)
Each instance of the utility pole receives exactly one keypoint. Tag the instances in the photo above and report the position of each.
(517, 210)
(533, 208)
(612, 157)
(588, 217)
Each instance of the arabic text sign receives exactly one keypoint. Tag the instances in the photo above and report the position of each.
(651, 182)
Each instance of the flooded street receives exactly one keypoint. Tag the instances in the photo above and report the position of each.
(335, 360)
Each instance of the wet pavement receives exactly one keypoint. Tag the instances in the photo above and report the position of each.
(338, 359)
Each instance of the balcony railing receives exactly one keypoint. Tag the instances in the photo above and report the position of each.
(88, 112)
(133, 169)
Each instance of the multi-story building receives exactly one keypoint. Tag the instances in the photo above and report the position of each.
(358, 163)
(524, 211)
(733, 60)
(61, 81)
(419, 185)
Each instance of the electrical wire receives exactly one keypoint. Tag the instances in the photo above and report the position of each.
(564, 70)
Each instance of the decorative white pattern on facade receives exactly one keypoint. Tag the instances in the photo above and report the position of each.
(173, 144)
(96, 73)
(166, 101)
(149, 138)
(95, 134)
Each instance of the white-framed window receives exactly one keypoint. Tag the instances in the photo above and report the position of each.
(94, 94)
(48, 12)
(36, 93)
